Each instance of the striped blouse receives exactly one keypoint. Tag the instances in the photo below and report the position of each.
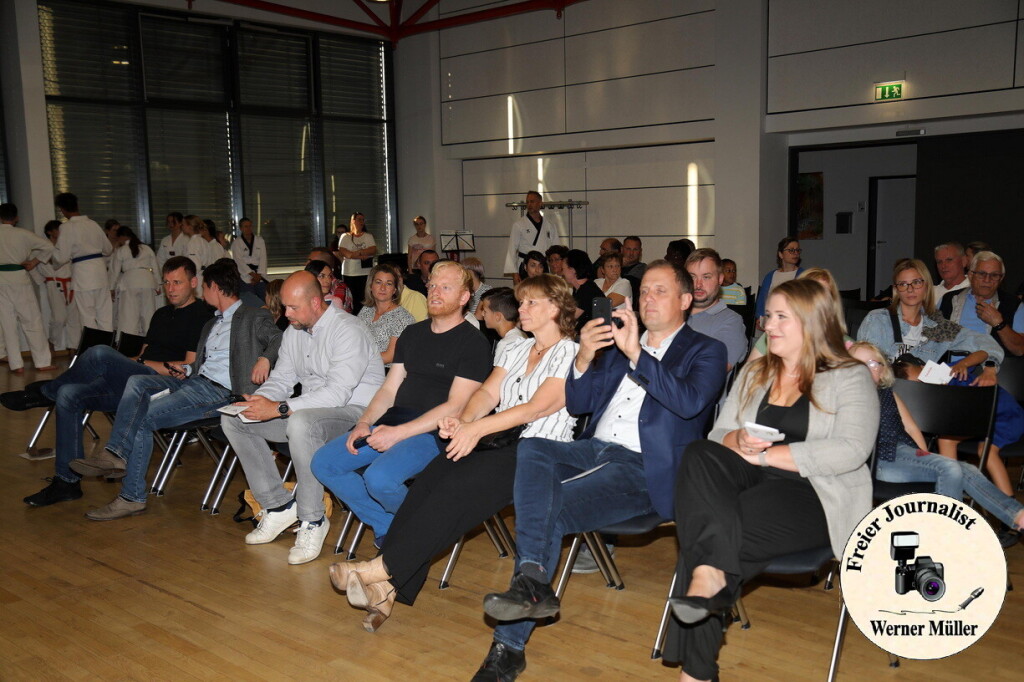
(517, 387)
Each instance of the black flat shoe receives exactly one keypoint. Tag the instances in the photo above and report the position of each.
(503, 664)
(59, 490)
(695, 609)
(525, 598)
(19, 401)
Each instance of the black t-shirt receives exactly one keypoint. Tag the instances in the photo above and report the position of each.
(173, 332)
(432, 361)
(587, 292)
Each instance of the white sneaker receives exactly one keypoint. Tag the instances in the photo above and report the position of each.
(308, 542)
(272, 524)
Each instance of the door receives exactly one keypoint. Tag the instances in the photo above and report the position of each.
(892, 201)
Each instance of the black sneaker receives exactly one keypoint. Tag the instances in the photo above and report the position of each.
(503, 664)
(1008, 537)
(19, 401)
(525, 598)
(59, 490)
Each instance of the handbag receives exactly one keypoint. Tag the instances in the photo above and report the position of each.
(500, 439)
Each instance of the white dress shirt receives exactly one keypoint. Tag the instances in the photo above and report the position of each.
(336, 361)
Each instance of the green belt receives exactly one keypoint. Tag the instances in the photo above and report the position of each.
(11, 267)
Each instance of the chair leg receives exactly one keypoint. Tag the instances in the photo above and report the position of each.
(356, 537)
(39, 430)
(659, 639)
(450, 566)
(837, 647)
(831, 574)
(287, 471)
(205, 504)
(171, 444)
(504, 534)
(88, 427)
(345, 527)
(161, 484)
(894, 661)
(492, 533)
(215, 507)
(207, 445)
(570, 561)
(603, 559)
(741, 614)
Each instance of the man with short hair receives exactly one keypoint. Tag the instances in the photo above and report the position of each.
(20, 252)
(234, 355)
(709, 315)
(632, 256)
(984, 307)
(610, 245)
(650, 395)
(84, 244)
(98, 378)
(950, 261)
(529, 233)
(174, 244)
(250, 254)
(555, 255)
(331, 354)
(423, 265)
(419, 242)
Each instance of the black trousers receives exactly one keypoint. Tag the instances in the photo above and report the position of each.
(447, 500)
(737, 517)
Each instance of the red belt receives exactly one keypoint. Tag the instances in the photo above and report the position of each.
(62, 284)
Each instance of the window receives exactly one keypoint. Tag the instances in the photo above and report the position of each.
(154, 111)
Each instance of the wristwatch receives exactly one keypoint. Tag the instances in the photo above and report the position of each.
(989, 363)
(282, 409)
(999, 327)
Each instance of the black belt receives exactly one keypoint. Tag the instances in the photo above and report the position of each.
(218, 385)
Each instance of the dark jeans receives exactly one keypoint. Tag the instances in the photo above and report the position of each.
(139, 415)
(95, 382)
(734, 516)
(548, 509)
(446, 501)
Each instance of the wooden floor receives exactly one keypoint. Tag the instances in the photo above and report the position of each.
(175, 594)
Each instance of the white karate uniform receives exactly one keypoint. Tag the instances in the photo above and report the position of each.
(244, 257)
(137, 282)
(170, 248)
(19, 307)
(65, 328)
(80, 237)
(521, 240)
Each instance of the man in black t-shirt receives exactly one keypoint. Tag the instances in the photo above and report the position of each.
(439, 363)
(97, 379)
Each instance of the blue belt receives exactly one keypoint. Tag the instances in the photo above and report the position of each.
(79, 259)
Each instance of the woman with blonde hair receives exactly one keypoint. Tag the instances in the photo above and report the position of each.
(381, 312)
(741, 499)
(474, 478)
(272, 299)
(356, 249)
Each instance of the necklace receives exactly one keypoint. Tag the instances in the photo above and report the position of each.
(540, 351)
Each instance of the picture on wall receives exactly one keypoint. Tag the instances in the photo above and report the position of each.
(810, 213)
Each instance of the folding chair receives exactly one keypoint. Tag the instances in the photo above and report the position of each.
(227, 462)
(500, 536)
(90, 337)
(179, 435)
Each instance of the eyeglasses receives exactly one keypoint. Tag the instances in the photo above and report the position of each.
(793, 250)
(987, 276)
(912, 284)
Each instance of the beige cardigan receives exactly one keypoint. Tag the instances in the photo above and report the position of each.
(840, 438)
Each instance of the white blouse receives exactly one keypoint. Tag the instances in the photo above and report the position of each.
(621, 286)
(517, 387)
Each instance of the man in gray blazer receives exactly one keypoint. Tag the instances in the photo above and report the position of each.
(235, 354)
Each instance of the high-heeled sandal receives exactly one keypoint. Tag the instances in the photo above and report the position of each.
(377, 598)
(691, 610)
(373, 571)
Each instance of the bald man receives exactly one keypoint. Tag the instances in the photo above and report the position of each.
(333, 356)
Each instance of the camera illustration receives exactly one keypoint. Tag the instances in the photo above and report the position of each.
(923, 575)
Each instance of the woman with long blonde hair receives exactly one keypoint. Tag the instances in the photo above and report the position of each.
(743, 497)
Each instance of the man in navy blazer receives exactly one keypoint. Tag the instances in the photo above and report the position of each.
(650, 395)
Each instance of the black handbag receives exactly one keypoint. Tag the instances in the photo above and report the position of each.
(501, 439)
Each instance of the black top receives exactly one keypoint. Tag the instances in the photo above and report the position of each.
(173, 332)
(587, 292)
(792, 421)
(432, 361)
(416, 283)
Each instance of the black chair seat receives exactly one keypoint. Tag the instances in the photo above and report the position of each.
(635, 526)
(885, 490)
(808, 561)
(197, 424)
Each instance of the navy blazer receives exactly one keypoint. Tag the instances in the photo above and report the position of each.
(681, 391)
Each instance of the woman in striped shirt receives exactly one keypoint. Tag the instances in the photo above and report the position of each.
(458, 491)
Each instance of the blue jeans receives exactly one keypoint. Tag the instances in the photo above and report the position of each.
(377, 494)
(95, 382)
(547, 509)
(138, 417)
(952, 479)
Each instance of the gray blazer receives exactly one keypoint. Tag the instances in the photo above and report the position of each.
(253, 335)
(840, 437)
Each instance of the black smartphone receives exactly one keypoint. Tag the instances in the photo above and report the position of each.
(359, 442)
(601, 307)
(175, 372)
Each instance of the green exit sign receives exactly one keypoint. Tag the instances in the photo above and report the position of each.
(885, 92)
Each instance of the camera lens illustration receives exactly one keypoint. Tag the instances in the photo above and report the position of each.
(923, 575)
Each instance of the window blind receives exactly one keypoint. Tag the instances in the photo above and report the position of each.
(273, 70)
(183, 61)
(352, 78)
(355, 176)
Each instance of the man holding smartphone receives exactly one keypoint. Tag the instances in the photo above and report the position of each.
(234, 355)
(98, 378)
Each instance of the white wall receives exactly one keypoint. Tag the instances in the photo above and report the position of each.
(845, 176)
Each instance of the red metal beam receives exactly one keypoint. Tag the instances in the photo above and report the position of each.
(557, 6)
(418, 14)
(383, 31)
(370, 13)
